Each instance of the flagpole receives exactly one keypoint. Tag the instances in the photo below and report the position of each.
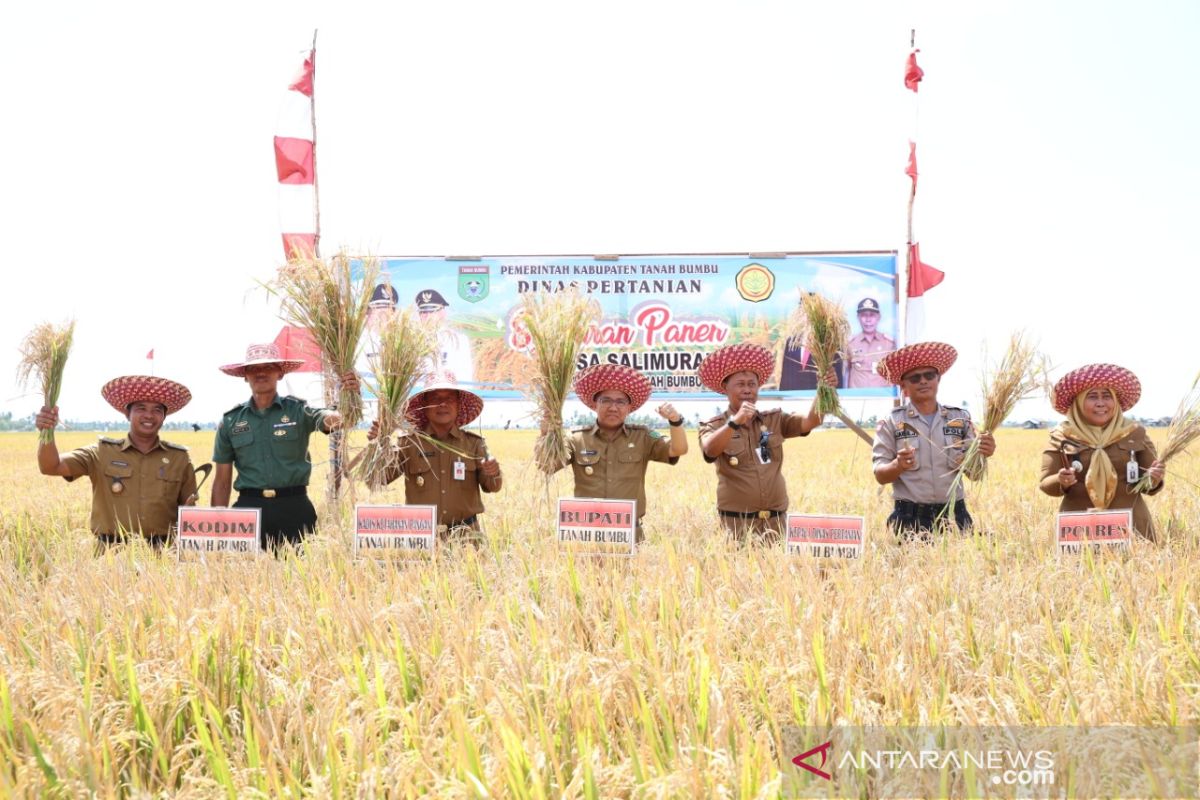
(312, 101)
(912, 197)
(333, 480)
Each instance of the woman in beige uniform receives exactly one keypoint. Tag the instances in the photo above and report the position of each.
(1096, 455)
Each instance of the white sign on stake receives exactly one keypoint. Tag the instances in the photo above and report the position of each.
(395, 530)
(1095, 529)
(596, 526)
(218, 530)
(825, 535)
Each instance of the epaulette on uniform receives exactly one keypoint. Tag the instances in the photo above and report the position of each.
(173, 446)
(718, 419)
(633, 426)
(295, 399)
(109, 440)
(955, 408)
(581, 428)
(471, 434)
(232, 410)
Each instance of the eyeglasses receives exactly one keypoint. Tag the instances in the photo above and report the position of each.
(917, 377)
(764, 452)
(618, 402)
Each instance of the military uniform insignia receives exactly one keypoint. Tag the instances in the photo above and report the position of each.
(281, 432)
(420, 480)
(285, 419)
(588, 470)
(241, 426)
(733, 461)
(117, 487)
(905, 431)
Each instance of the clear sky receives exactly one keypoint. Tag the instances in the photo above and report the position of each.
(1057, 147)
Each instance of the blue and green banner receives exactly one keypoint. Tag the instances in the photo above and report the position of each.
(662, 314)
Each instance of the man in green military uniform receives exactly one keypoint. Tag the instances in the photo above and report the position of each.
(610, 457)
(138, 481)
(266, 437)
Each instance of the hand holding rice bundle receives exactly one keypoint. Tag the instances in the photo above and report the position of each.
(44, 355)
(557, 325)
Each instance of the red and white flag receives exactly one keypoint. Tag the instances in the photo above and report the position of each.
(150, 355)
(912, 73)
(921, 278)
(295, 164)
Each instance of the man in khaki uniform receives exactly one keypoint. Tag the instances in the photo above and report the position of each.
(610, 457)
(920, 446)
(451, 471)
(747, 444)
(138, 481)
(866, 347)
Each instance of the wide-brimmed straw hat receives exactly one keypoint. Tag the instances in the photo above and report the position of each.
(470, 405)
(1124, 384)
(602, 377)
(262, 354)
(720, 364)
(938, 355)
(126, 390)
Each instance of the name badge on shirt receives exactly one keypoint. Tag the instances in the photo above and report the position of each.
(460, 471)
(283, 425)
(1131, 469)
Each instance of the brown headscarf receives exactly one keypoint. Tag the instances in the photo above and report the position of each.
(1101, 480)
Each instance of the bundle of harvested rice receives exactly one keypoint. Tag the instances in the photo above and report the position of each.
(557, 325)
(1183, 430)
(324, 297)
(406, 347)
(820, 325)
(1019, 375)
(44, 355)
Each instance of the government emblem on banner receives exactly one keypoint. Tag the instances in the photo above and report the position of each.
(755, 282)
(473, 283)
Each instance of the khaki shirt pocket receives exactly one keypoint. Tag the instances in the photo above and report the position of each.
(629, 455)
(114, 474)
(589, 460)
(419, 463)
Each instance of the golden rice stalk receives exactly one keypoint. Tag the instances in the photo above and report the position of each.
(1019, 375)
(323, 297)
(557, 324)
(820, 324)
(406, 348)
(43, 358)
(1183, 430)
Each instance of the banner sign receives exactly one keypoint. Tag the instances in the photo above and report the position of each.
(825, 536)
(662, 314)
(407, 531)
(218, 530)
(593, 526)
(1095, 529)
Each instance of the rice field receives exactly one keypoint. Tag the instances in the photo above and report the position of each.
(513, 670)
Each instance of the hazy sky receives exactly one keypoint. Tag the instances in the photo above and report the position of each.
(1057, 145)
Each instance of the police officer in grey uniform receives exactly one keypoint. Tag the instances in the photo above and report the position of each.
(919, 447)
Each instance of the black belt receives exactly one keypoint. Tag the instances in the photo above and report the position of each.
(751, 514)
(287, 491)
(909, 505)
